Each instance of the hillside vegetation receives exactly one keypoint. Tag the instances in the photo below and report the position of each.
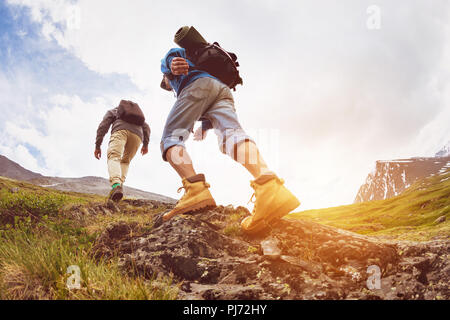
(410, 216)
(124, 251)
(43, 232)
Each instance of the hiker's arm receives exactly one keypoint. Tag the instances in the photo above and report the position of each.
(200, 133)
(147, 131)
(98, 153)
(102, 129)
(206, 125)
(174, 62)
(165, 83)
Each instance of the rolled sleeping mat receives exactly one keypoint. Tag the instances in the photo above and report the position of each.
(189, 38)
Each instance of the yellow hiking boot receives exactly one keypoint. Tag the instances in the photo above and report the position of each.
(273, 201)
(196, 197)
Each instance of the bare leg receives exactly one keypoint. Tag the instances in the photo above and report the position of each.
(196, 194)
(247, 154)
(180, 160)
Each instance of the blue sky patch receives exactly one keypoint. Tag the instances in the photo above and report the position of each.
(34, 69)
(24, 49)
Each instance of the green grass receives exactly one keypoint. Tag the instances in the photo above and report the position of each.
(39, 239)
(233, 223)
(38, 242)
(409, 216)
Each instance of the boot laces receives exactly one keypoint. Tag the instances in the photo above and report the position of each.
(185, 187)
(253, 197)
(178, 191)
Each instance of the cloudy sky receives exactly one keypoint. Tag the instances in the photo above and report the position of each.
(329, 87)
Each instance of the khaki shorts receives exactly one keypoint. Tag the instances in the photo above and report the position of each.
(122, 148)
(205, 98)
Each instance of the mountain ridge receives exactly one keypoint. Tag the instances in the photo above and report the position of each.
(13, 170)
(88, 184)
(421, 212)
(392, 177)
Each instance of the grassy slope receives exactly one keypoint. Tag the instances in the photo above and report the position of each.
(409, 216)
(38, 242)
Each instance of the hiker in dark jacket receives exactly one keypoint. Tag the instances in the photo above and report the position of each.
(201, 96)
(124, 142)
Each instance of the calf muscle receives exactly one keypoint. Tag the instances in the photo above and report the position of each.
(180, 160)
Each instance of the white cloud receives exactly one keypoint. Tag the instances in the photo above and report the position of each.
(66, 137)
(21, 155)
(340, 96)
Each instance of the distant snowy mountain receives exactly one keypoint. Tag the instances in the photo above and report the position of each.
(444, 152)
(392, 177)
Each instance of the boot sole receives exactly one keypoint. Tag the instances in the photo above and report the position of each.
(205, 204)
(277, 214)
(117, 197)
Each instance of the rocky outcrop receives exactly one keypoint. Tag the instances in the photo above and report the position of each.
(209, 258)
(444, 152)
(390, 178)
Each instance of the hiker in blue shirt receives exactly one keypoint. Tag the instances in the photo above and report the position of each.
(202, 96)
(178, 83)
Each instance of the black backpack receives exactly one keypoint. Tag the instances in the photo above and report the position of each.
(219, 63)
(130, 112)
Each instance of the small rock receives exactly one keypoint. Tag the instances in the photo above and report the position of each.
(309, 267)
(158, 220)
(229, 207)
(119, 230)
(440, 219)
(14, 190)
(270, 248)
(112, 206)
(186, 286)
(107, 212)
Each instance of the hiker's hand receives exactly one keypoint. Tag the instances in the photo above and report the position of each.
(200, 134)
(179, 66)
(98, 153)
(144, 150)
(167, 83)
